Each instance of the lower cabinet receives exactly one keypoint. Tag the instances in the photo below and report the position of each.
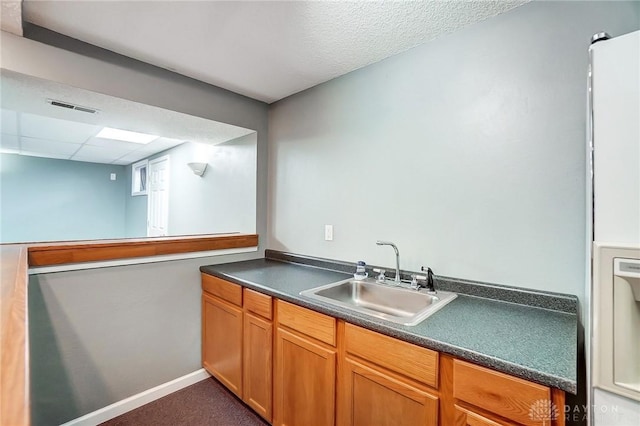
(222, 342)
(305, 367)
(482, 396)
(373, 396)
(237, 341)
(304, 381)
(312, 369)
(386, 382)
(258, 364)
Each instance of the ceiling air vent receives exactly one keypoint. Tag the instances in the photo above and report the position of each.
(71, 106)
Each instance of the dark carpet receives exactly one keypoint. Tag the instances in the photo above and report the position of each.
(204, 403)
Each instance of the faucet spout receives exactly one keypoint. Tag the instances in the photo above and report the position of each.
(389, 243)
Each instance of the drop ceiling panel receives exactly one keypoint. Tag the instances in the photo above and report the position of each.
(91, 160)
(121, 162)
(105, 154)
(41, 127)
(133, 157)
(24, 101)
(160, 144)
(42, 155)
(45, 147)
(112, 143)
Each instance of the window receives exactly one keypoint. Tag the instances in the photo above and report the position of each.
(139, 178)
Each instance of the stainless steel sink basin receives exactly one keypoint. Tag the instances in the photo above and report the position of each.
(396, 304)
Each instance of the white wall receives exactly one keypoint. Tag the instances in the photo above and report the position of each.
(224, 198)
(467, 151)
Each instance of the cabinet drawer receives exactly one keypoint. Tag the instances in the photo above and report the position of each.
(413, 361)
(498, 393)
(305, 321)
(258, 303)
(225, 290)
(469, 418)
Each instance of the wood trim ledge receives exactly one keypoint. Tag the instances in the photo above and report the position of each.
(58, 254)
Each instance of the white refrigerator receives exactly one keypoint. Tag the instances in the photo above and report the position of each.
(613, 325)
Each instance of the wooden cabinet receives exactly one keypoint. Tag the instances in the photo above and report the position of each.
(224, 290)
(310, 323)
(412, 361)
(469, 418)
(482, 396)
(222, 342)
(258, 362)
(386, 382)
(305, 367)
(237, 341)
(373, 396)
(314, 370)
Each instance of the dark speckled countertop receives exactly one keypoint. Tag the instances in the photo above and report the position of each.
(530, 342)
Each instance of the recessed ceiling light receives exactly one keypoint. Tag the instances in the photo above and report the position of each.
(125, 135)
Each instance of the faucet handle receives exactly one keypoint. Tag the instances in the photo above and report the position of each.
(414, 281)
(381, 276)
(430, 286)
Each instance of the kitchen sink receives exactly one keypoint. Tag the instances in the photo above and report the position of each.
(392, 303)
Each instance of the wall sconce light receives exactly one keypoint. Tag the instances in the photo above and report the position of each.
(198, 168)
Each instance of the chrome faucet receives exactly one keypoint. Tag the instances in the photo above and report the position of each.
(389, 243)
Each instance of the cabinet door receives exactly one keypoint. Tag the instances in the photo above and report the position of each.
(305, 377)
(469, 418)
(222, 342)
(257, 383)
(504, 395)
(372, 397)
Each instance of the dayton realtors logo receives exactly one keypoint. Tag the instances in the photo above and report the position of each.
(543, 411)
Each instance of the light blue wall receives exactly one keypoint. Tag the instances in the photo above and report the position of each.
(46, 199)
(467, 151)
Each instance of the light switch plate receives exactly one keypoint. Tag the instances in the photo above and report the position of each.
(328, 232)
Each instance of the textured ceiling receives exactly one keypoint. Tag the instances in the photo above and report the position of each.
(11, 16)
(31, 126)
(266, 50)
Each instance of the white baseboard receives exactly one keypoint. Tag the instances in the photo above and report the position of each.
(138, 400)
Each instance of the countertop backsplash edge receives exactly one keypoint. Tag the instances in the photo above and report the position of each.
(518, 295)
